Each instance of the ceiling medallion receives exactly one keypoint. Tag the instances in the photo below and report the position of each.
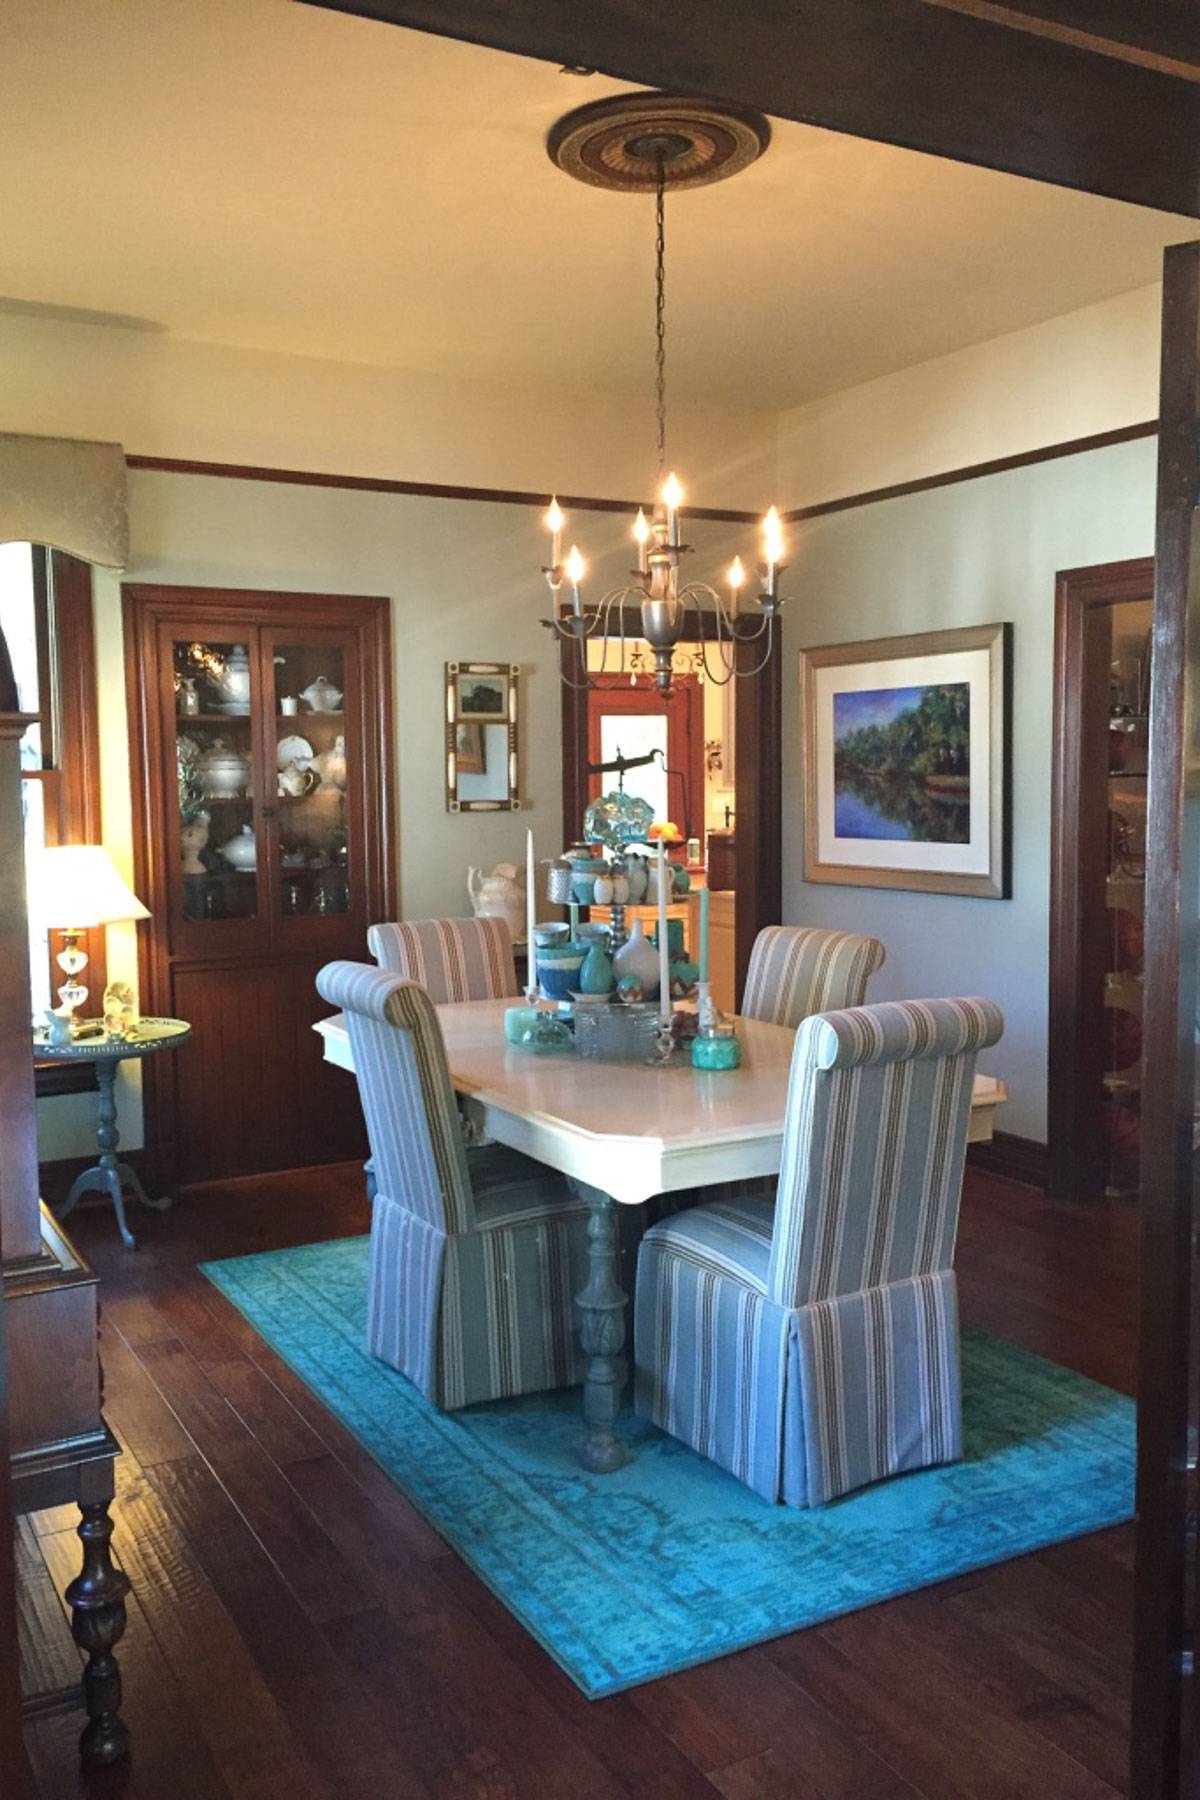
(616, 143)
(649, 143)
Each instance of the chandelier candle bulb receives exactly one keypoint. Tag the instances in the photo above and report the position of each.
(672, 495)
(555, 520)
(735, 577)
(575, 566)
(772, 549)
(641, 532)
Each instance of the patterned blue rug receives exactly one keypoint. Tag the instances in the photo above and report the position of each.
(671, 1562)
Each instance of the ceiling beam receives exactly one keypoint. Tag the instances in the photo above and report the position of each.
(898, 71)
(1064, 31)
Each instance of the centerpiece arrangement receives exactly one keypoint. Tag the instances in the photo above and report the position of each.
(605, 991)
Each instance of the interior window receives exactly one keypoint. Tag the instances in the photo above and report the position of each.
(46, 618)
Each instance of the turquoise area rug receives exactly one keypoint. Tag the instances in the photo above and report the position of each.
(671, 1562)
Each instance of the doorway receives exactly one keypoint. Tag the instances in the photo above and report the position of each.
(724, 746)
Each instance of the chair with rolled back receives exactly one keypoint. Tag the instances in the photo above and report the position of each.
(808, 1343)
(452, 959)
(798, 970)
(476, 1253)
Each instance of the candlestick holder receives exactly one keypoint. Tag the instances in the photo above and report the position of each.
(665, 1044)
(707, 1016)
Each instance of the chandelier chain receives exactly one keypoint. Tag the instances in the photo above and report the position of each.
(660, 314)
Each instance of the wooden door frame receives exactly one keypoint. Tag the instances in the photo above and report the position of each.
(1078, 860)
(758, 729)
(692, 771)
(1163, 1749)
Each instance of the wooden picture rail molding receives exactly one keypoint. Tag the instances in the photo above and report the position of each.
(433, 490)
(436, 490)
(1000, 465)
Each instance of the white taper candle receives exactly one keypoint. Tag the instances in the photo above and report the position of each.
(531, 980)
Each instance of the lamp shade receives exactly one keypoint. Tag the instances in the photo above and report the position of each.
(76, 886)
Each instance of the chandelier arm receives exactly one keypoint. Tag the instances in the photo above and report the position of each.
(765, 658)
(577, 687)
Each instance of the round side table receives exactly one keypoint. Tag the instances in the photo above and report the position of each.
(110, 1176)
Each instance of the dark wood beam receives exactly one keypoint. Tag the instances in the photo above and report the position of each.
(1167, 40)
(899, 71)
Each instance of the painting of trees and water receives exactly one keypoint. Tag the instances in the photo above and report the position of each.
(902, 763)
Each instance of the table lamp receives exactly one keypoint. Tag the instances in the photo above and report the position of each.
(75, 887)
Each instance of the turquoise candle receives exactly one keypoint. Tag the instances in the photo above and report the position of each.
(573, 909)
(517, 1021)
(704, 933)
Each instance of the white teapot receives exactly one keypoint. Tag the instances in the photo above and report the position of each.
(500, 895)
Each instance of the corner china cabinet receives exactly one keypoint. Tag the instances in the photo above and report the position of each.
(1097, 952)
(261, 752)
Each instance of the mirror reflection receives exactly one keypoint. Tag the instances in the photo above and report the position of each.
(482, 761)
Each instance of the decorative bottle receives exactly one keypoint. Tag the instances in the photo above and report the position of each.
(639, 957)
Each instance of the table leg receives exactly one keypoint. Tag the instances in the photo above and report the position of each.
(602, 1333)
(109, 1176)
(97, 1601)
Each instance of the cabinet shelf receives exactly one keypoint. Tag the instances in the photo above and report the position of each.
(295, 719)
(212, 718)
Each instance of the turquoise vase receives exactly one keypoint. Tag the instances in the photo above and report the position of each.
(596, 975)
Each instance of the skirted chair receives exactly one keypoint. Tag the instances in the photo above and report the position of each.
(453, 959)
(796, 971)
(809, 1345)
(476, 1254)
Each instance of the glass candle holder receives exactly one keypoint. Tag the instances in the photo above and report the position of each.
(720, 1050)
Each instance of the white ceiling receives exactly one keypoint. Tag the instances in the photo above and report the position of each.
(265, 174)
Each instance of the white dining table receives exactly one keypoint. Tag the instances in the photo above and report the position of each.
(622, 1133)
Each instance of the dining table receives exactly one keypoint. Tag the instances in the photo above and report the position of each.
(622, 1133)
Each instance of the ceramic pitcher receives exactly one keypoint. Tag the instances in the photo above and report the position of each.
(500, 895)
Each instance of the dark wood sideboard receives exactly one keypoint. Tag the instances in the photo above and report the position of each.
(60, 1449)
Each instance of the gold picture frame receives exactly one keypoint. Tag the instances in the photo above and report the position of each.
(482, 738)
(907, 762)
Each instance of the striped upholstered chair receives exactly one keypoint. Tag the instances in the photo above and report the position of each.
(453, 959)
(476, 1254)
(811, 1346)
(796, 971)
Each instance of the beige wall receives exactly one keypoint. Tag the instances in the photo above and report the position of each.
(972, 553)
(1088, 371)
(165, 396)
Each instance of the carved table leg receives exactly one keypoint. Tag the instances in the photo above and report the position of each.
(602, 1333)
(110, 1176)
(97, 1601)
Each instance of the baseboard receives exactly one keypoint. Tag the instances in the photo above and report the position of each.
(1016, 1158)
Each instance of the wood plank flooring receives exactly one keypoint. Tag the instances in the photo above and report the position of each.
(296, 1629)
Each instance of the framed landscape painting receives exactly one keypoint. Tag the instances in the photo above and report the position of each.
(906, 762)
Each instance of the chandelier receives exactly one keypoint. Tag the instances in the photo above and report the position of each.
(648, 143)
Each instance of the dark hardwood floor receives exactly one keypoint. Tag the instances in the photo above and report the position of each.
(295, 1628)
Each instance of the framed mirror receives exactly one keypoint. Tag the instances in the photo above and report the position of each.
(482, 750)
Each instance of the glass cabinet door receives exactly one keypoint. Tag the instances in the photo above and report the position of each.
(314, 748)
(219, 807)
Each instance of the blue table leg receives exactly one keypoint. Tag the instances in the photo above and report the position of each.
(602, 1333)
(109, 1176)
